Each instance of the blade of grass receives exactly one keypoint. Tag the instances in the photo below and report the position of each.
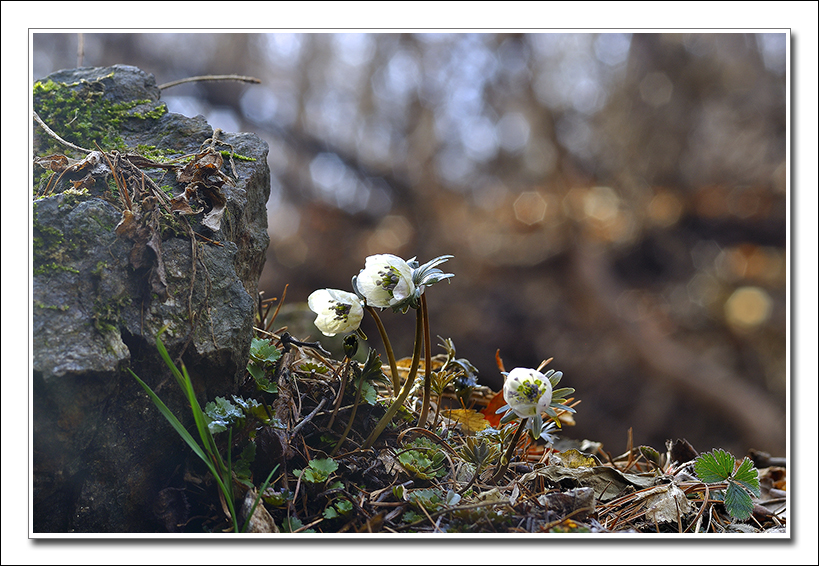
(166, 412)
(259, 497)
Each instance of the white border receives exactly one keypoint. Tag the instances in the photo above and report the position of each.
(420, 16)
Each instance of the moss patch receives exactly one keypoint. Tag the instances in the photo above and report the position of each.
(50, 248)
(80, 115)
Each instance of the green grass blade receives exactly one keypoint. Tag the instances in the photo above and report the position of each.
(259, 497)
(166, 412)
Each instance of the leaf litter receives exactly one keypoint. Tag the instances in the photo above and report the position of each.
(439, 479)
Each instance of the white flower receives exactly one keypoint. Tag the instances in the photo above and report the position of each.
(338, 311)
(385, 281)
(527, 391)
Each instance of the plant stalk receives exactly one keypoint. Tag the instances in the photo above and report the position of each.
(352, 417)
(504, 463)
(422, 420)
(416, 357)
(396, 381)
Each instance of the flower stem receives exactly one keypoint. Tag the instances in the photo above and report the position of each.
(352, 417)
(504, 463)
(422, 420)
(416, 358)
(396, 382)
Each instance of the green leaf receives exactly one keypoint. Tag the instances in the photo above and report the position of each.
(650, 454)
(562, 393)
(344, 506)
(324, 465)
(330, 513)
(718, 466)
(748, 476)
(222, 414)
(255, 370)
(242, 466)
(264, 351)
(714, 467)
(368, 393)
(738, 502)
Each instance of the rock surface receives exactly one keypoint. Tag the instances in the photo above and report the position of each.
(102, 451)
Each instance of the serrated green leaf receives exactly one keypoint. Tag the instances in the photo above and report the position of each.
(738, 502)
(264, 351)
(325, 465)
(714, 467)
(221, 414)
(748, 476)
(330, 513)
(344, 506)
(265, 384)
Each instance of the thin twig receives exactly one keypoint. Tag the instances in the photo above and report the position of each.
(308, 418)
(51, 133)
(202, 78)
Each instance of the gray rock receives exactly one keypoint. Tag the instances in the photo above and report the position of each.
(102, 451)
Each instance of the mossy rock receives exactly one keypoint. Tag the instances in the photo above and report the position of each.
(101, 452)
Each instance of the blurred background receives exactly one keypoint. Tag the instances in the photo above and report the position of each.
(616, 201)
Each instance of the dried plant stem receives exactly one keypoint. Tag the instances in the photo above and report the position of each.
(352, 417)
(51, 133)
(199, 78)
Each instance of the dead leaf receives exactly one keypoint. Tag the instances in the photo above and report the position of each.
(606, 482)
(575, 459)
(56, 162)
(261, 521)
(471, 421)
(665, 503)
(156, 278)
(127, 225)
(488, 412)
(213, 219)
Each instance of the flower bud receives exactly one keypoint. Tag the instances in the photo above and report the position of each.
(338, 311)
(527, 391)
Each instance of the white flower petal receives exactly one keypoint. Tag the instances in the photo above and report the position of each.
(337, 311)
(385, 281)
(527, 391)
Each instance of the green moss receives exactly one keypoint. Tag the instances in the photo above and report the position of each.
(44, 268)
(170, 225)
(100, 267)
(79, 115)
(237, 156)
(106, 313)
(40, 305)
(156, 154)
(72, 197)
(50, 248)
